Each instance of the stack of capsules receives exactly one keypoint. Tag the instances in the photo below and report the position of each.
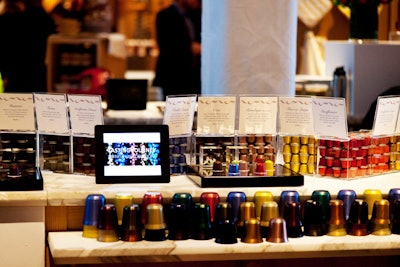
(299, 153)
(247, 155)
(17, 156)
(359, 156)
(56, 153)
(178, 149)
(237, 219)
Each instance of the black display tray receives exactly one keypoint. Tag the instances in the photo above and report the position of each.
(282, 177)
(23, 183)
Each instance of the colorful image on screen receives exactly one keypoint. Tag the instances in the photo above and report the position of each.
(132, 154)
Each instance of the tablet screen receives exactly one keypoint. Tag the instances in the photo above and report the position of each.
(132, 153)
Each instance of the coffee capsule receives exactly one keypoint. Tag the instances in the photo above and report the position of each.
(252, 231)
(91, 214)
(149, 198)
(178, 222)
(155, 227)
(121, 200)
(235, 198)
(323, 197)
(107, 224)
(246, 212)
(259, 198)
(131, 223)
(336, 222)
(358, 219)
(380, 221)
(211, 199)
(278, 231)
(394, 194)
(287, 196)
(370, 196)
(269, 210)
(201, 223)
(313, 219)
(225, 230)
(396, 217)
(292, 216)
(347, 196)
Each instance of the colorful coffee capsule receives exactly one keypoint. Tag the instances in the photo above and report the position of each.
(91, 214)
(358, 218)
(380, 220)
(236, 198)
(259, 198)
(107, 224)
(155, 226)
(336, 222)
(370, 196)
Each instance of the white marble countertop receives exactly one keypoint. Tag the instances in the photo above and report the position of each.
(72, 248)
(71, 189)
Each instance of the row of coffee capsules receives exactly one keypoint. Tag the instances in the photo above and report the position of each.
(299, 153)
(246, 159)
(359, 156)
(178, 149)
(84, 155)
(237, 218)
(56, 153)
(17, 155)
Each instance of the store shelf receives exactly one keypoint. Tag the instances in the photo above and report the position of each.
(72, 248)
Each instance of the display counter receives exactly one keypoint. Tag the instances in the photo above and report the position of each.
(22, 228)
(67, 194)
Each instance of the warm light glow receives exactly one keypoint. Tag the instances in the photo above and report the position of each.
(48, 5)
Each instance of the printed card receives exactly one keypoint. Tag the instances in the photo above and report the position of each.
(330, 119)
(295, 116)
(257, 115)
(216, 115)
(85, 112)
(387, 110)
(17, 112)
(51, 113)
(179, 114)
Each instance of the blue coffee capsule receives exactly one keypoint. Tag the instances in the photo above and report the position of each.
(235, 198)
(287, 196)
(394, 194)
(347, 196)
(90, 219)
(233, 169)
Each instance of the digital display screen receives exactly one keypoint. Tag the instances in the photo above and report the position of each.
(130, 154)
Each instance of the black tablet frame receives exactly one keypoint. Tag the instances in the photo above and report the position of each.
(164, 153)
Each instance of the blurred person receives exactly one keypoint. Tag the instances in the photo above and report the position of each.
(176, 66)
(24, 27)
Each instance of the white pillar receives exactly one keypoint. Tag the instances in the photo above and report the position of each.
(249, 46)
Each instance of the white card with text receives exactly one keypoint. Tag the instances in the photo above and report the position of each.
(330, 119)
(295, 116)
(387, 110)
(179, 114)
(17, 112)
(216, 115)
(257, 115)
(85, 112)
(51, 113)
